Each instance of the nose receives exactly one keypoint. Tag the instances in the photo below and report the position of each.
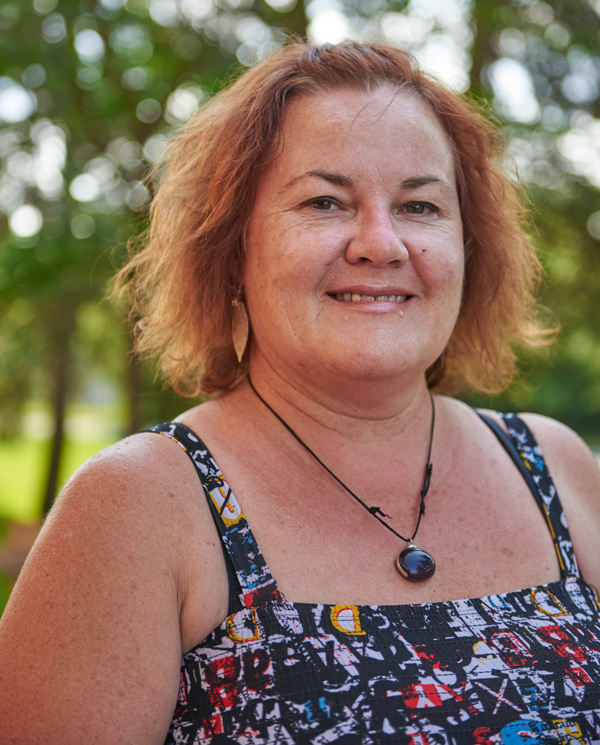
(376, 238)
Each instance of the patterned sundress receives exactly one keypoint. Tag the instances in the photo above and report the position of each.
(516, 668)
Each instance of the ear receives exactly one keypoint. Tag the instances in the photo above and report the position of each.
(238, 260)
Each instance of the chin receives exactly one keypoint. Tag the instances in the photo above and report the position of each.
(373, 368)
(386, 358)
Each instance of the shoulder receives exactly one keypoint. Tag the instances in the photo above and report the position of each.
(563, 449)
(144, 496)
(141, 457)
(576, 475)
(566, 453)
(111, 575)
(134, 481)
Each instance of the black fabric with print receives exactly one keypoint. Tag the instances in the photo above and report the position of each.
(517, 668)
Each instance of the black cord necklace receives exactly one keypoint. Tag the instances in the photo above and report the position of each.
(414, 563)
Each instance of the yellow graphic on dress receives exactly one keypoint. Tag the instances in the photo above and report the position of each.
(547, 603)
(241, 634)
(569, 732)
(232, 512)
(483, 652)
(346, 618)
(526, 463)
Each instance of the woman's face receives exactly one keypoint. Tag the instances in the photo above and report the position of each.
(354, 254)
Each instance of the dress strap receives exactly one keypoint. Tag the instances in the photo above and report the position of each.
(257, 585)
(527, 455)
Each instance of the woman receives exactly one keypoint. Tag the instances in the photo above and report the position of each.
(352, 208)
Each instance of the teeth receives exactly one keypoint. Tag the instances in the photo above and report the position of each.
(354, 297)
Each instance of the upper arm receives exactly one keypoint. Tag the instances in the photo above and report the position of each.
(576, 476)
(90, 641)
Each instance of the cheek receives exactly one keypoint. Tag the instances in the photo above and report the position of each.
(455, 269)
(265, 259)
(448, 268)
(449, 279)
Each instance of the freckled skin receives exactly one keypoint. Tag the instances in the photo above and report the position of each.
(361, 194)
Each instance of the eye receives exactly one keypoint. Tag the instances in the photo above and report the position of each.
(420, 208)
(323, 204)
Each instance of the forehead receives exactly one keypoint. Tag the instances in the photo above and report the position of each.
(388, 128)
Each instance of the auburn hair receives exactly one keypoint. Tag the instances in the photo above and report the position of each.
(182, 283)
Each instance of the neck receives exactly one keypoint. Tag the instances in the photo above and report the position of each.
(374, 510)
(361, 410)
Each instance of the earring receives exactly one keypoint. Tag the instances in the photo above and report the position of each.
(240, 326)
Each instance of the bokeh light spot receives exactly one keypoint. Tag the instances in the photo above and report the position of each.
(164, 12)
(328, 27)
(593, 225)
(283, 6)
(82, 226)
(26, 221)
(84, 188)
(154, 146)
(513, 89)
(44, 6)
(54, 28)
(16, 102)
(34, 76)
(148, 110)
(89, 45)
(136, 78)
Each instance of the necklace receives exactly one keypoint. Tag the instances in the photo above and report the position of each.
(413, 563)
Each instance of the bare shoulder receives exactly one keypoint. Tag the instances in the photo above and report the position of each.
(141, 488)
(576, 474)
(100, 600)
(135, 475)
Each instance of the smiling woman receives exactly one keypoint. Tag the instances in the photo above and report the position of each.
(332, 247)
(203, 231)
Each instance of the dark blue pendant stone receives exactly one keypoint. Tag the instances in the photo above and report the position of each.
(415, 564)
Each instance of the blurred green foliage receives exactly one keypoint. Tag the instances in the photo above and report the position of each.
(89, 90)
(21, 475)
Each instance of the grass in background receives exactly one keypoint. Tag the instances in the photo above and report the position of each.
(23, 464)
(89, 427)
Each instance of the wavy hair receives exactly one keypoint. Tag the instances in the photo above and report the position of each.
(182, 283)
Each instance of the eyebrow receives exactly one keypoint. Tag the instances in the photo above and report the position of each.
(336, 178)
(414, 183)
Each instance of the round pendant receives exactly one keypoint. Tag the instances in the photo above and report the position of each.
(415, 564)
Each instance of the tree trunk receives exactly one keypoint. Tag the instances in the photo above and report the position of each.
(295, 19)
(483, 20)
(133, 375)
(60, 374)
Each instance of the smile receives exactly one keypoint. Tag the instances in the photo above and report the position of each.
(354, 297)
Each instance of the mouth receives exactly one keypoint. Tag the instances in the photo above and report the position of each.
(355, 297)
